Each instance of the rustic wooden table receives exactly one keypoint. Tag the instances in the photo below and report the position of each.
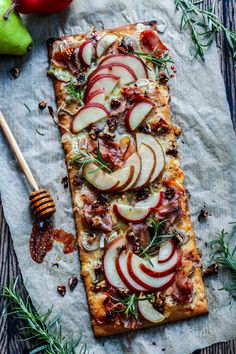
(9, 338)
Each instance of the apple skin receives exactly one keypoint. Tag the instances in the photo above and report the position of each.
(94, 93)
(41, 6)
(155, 274)
(170, 255)
(130, 111)
(109, 66)
(111, 244)
(83, 45)
(124, 279)
(140, 282)
(98, 105)
(121, 57)
(94, 80)
(116, 210)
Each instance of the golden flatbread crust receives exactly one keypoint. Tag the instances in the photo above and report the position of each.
(173, 311)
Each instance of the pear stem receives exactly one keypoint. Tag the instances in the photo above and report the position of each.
(7, 13)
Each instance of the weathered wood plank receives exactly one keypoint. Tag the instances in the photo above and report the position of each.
(9, 338)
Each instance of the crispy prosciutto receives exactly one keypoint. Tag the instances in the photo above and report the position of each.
(152, 43)
(97, 216)
(182, 288)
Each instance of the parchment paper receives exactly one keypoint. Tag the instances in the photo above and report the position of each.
(208, 157)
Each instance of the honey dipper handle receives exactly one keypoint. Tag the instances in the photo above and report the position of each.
(17, 152)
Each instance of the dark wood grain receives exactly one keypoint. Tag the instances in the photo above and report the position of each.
(9, 337)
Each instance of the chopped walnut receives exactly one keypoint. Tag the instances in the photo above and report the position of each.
(73, 281)
(142, 194)
(203, 215)
(42, 105)
(61, 289)
(211, 270)
(93, 133)
(170, 193)
(159, 302)
(96, 221)
(177, 130)
(115, 103)
(112, 124)
(122, 293)
(15, 72)
(102, 286)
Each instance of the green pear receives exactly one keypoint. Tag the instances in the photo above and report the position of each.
(14, 37)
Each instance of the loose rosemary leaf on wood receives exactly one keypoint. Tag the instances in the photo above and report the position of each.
(224, 253)
(42, 328)
(203, 25)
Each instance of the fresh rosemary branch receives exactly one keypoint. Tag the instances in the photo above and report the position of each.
(42, 328)
(224, 255)
(158, 62)
(78, 95)
(203, 24)
(156, 240)
(84, 156)
(130, 304)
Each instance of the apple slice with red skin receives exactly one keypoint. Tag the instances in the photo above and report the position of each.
(121, 266)
(99, 179)
(153, 201)
(104, 43)
(136, 64)
(166, 251)
(88, 114)
(109, 262)
(125, 73)
(157, 148)
(162, 269)
(97, 96)
(148, 164)
(131, 214)
(133, 160)
(124, 175)
(145, 280)
(86, 52)
(148, 312)
(137, 114)
(106, 81)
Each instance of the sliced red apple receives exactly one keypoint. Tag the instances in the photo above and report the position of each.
(106, 81)
(133, 160)
(86, 52)
(145, 280)
(153, 201)
(121, 266)
(124, 175)
(162, 269)
(166, 251)
(148, 312)
(104, 43)
(99, 179)
(148, 164)
(97, 96)
(109, 262)
(125, 73)
(131, 213)
(157, 148)
(136, 64)
(88, 114)
(137, 114)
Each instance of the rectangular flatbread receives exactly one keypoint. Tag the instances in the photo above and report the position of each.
(136, 242)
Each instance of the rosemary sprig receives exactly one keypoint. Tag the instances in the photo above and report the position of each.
(204, 25)
(130, 304)
(78, 95)
(84, 156)
(156, 240)
(42, 328)
(158, 62)
(224, 255)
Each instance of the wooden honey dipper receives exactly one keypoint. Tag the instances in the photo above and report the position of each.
(40, 200)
